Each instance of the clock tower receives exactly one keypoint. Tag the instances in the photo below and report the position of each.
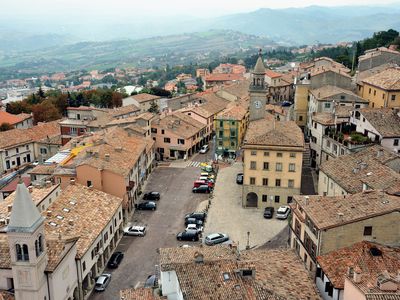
(258, 90)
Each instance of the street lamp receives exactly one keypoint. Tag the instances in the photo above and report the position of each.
(248, 240)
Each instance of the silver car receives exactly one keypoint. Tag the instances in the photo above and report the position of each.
(135, 230)
(102, 282)
(283, 212)
(216, 238)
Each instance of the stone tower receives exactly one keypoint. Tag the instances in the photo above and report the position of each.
(258, 90)
(28, 251)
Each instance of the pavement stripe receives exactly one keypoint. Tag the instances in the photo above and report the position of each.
(137, 284)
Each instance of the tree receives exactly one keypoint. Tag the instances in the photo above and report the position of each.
(160, 92)
(116, 99)
(153, 108)
(45, 112)
(17, 107)
(5, 126)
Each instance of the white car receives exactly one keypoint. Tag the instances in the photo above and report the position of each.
(204, 149)
(283, 212)
(135, 230)
(194, 227)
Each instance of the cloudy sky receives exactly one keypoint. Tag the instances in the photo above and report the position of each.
(156, 8)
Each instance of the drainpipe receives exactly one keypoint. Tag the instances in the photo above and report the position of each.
(48, 286)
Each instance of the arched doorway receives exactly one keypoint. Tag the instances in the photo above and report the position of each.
(251, 200)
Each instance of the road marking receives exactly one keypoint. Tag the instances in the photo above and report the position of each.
(137, 284)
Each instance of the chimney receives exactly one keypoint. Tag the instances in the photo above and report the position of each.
(306, 199)
(340, 215)
(107, 157)
(90, 187)
(118, 149)
(379, 153)
(48, 213)
(72, 181)
(71, 222)
(355, 170)
(357, 275)
(30, 189)
(48, 183)
(9, 207)
(198, 257)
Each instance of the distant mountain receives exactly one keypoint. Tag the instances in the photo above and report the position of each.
(312, 24)
(173, 49)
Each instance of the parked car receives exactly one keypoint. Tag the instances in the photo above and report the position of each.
(151, 281)
(147, 206)
(268, 212)
(207, 168)
(102, 282)
(283, 212)
(197, 215)
(194, 227)
(216, 238)
(187, 236)
(135, 230)
(193, 221)
(206, 179)
(151, 196)
(115, 259)
(286, 103)
(208, 175)
(204, 149)
(198, 183)
(202, 189)
(239, 178)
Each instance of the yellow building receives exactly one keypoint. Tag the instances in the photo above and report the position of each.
(230, 128)
(381, 89)
(301, 103)
(273, 155)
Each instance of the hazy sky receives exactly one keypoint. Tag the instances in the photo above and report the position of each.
(139, 8)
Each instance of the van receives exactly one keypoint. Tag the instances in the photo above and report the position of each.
(198, 183)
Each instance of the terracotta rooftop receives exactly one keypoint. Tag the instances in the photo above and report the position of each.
(180, 124)
(141, 98)
(233, 112)
(123, 110)
(5, 295)
(81, 212)
(40, 132)
(388, 79)
(333, 68)
(326, 119)
(328, 91)
(239, 89)
(336, 264)
(224, 77)
(217, 277)
(268, 132)
(139, 294)
(385, 120)
(343, 111)
(43, 169)
(324, 210)
(375, 52)
(365, 166)
(11, 119)
(272, 74)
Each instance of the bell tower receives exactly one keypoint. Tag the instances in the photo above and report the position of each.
(258, 90)
(25, 233)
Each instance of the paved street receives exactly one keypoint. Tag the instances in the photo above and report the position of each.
(177, 199)
(227, 215)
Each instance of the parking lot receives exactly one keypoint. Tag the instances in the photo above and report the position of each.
(227, 215)
(177, 199)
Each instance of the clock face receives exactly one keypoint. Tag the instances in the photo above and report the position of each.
(257, 104)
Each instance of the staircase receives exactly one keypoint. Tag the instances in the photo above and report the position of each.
(306, 156)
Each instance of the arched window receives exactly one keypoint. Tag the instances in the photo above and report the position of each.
(254, 81)
(18, 251)
(258, 81)
(25, 252)
(37, 248)
(40, 243)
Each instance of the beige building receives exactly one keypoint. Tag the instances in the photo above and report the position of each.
(143, 101)
(373, 167)
(365, 270)
(321, 224)
(382, 89)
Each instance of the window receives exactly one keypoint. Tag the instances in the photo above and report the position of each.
(277, 182)
(289, 199)
(369, 91)
(265, 181)
(329, 288)
(252, 180)
(393, 97)
(221, 123)
(395, 142)
(233, 123)
(233, 133)
(84, 266)
(279, 154)
(291, 183)
(315, 125)
(162, 131)
(266, 153)
(264, 198)
(253, 152)
(221, 134)
(232, 144)
(17, 150)
(253, 165)
(278, 167)
(300, 118)
(327, 105)
(43, 151)
(277, 199)
(266, 166)
(181, 142)
(89, 183)
(220, 143)
(367, 230)
(27, 147)
(292, 155)
(383, 96)
(167, 140)
(153, 130)
(342, 97)
(374, 92)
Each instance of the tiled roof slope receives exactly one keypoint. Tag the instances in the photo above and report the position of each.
(328, 91)
(233, 112)
(385, 120)
(180, 124)
(388, 79)
(268, 132)
(11, 119)
(141, 98)
(366, 166)
(139, 294)
(335, 264)
(324, 210)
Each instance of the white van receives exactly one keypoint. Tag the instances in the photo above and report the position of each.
(204, 149)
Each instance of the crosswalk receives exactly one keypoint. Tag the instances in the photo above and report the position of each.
(195, 164)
